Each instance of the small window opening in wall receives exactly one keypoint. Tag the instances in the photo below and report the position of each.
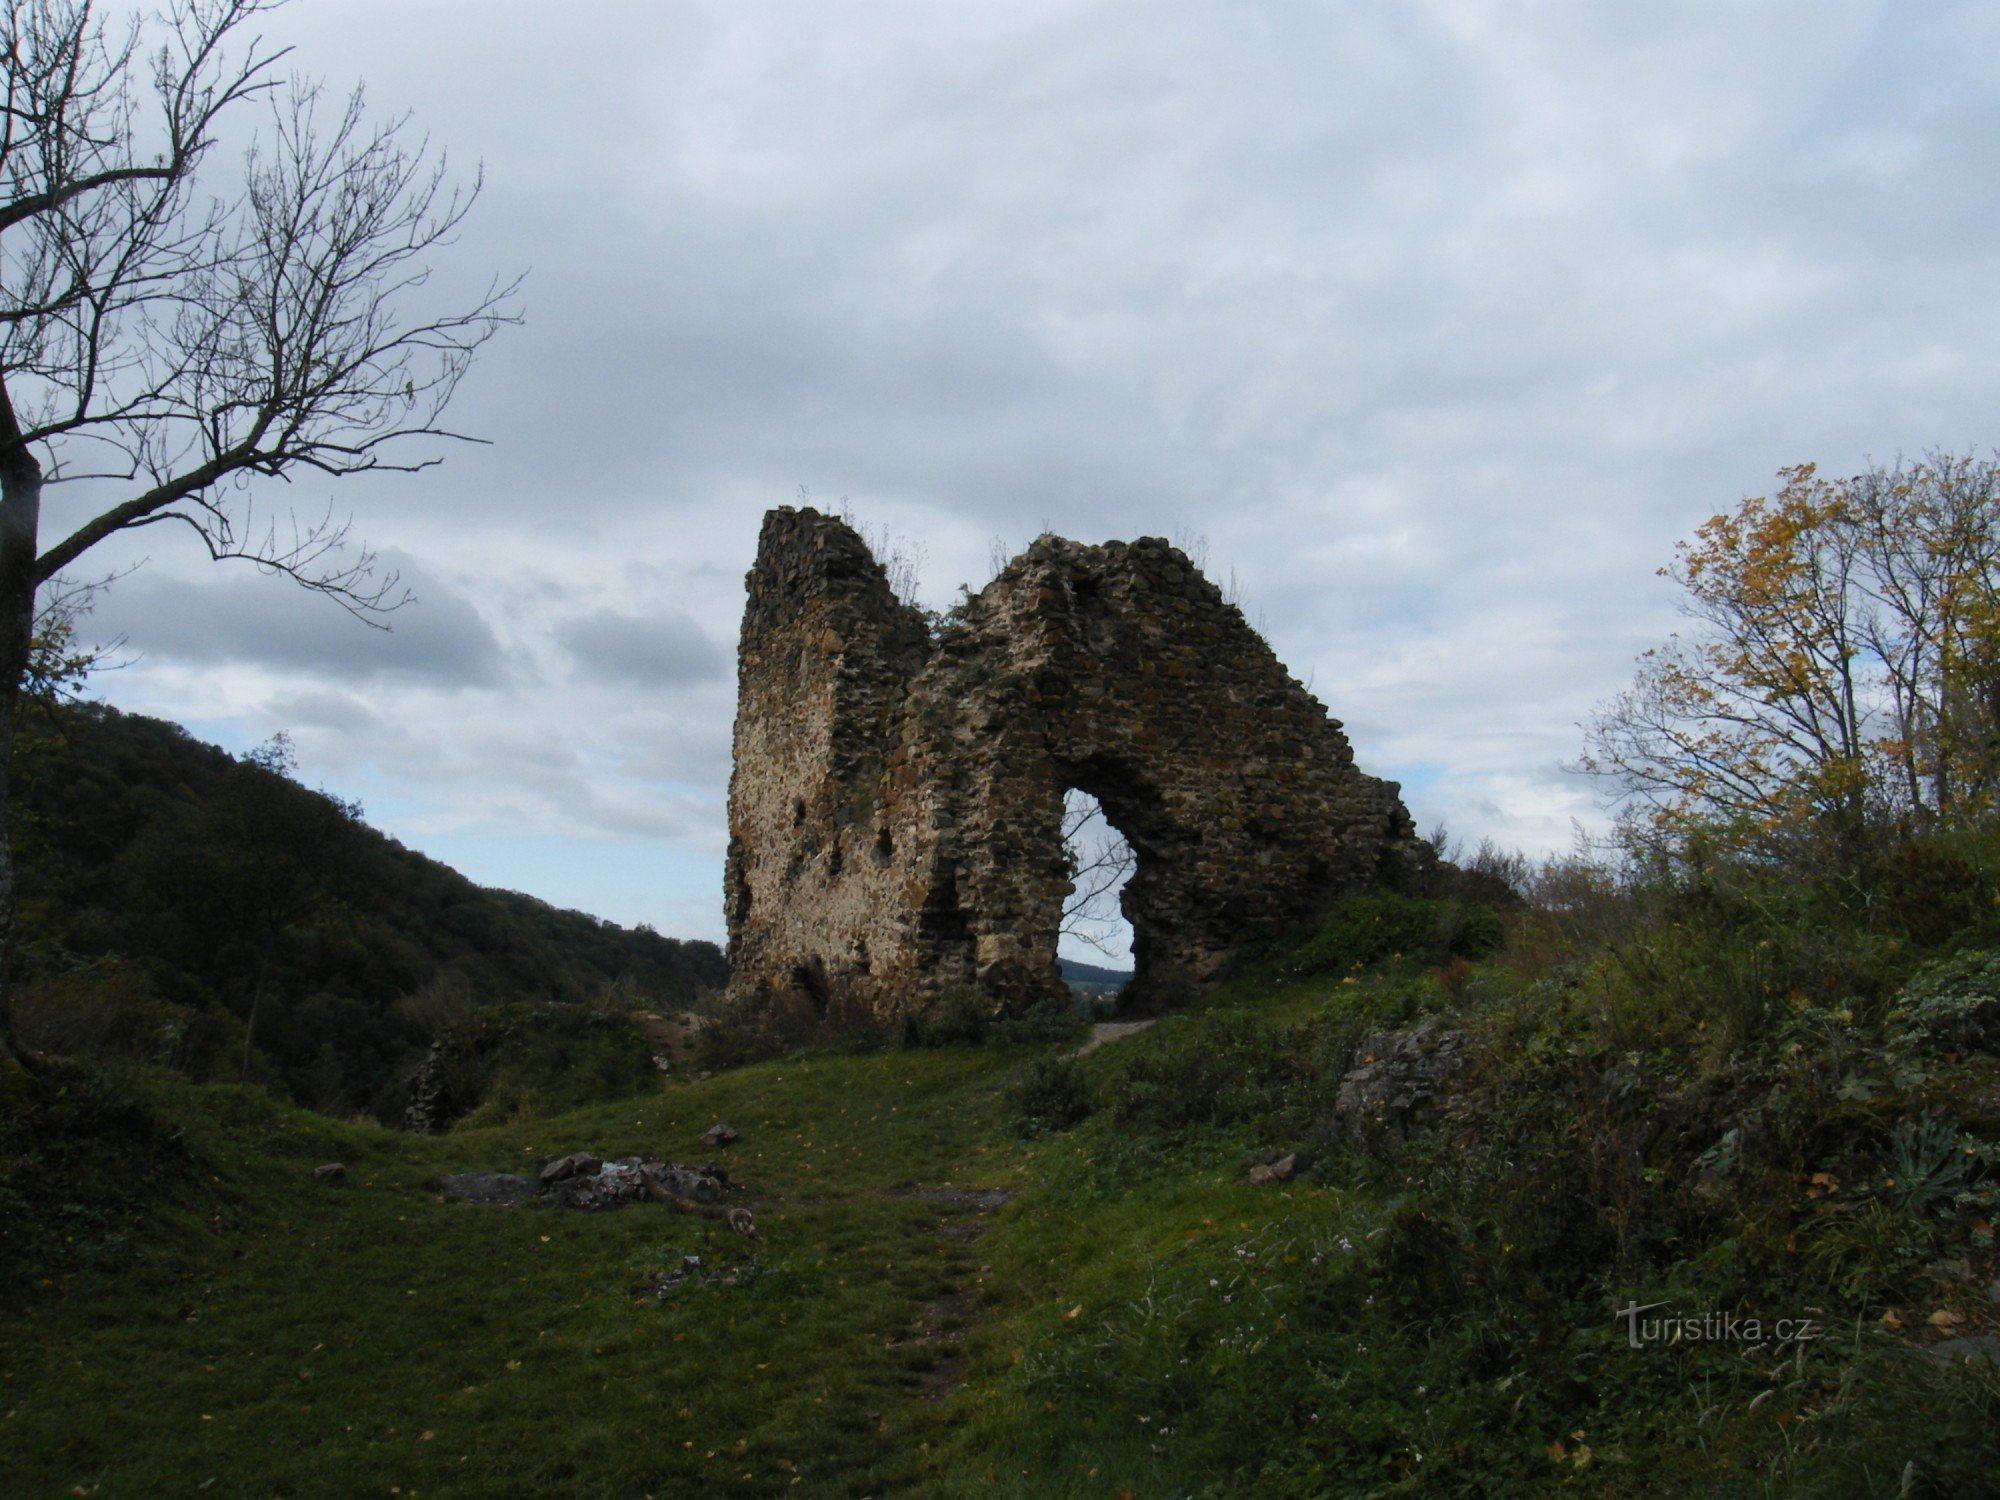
(810, 977)
(1094, 932)
(885, 846)
(798, 812)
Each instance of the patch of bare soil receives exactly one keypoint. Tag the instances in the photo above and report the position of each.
(959, 1200)
(495, 1189)
(671, 1037)
(943, 1323)
(1104, 1033)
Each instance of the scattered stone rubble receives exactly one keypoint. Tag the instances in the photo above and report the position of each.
(1281, 1170)
(491, 1189)
(588, 1183)
(1397, 1084)
(691, 1272)
(582, 1181)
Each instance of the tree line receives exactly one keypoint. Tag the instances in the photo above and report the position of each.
(188, 908)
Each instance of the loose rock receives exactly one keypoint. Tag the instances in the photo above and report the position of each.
(1281, 1170)
(576, 1164)
(1396, 1084)
(1977, 1346)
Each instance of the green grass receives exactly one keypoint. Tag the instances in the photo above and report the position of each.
(190, 1312)
(308, 1339)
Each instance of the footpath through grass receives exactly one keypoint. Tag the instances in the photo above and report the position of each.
(281, 1336)
(251, 1331)
(1742, 1118)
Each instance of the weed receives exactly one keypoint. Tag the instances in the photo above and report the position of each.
(1929, 1167)
(1953, 1006)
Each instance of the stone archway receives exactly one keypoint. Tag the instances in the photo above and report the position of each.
(895, 807)
(1100, 862)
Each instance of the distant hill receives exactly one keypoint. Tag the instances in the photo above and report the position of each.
(169, 891)
(1081, 976)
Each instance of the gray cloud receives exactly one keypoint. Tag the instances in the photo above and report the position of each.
(665, 649)
(340, 712)
(238, 615)
(1441, 321)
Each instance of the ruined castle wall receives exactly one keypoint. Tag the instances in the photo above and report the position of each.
(826, 658)
(1122, 671)
(896, 805)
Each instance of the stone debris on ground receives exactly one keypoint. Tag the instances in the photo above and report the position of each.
(963, 1200)
(588, 1183)
(612, 1184)
(1398, 1085)
(692, 1273)
(718, 1135)
(333, 1171)
(576, 1164)
(1280, 1170)
(1984, 1347)
(674, 1037)
(492, 1189)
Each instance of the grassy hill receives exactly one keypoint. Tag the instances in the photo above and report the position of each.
(1727, 1098)
(174, 897)
(1082, 976)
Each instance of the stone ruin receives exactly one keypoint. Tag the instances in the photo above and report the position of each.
(895, 811)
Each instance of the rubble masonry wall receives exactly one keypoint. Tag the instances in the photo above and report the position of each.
(895, 807)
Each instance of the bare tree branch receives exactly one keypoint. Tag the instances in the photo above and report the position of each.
(192, 335)
(1100, 861)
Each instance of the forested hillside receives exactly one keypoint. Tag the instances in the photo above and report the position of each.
(173, 895)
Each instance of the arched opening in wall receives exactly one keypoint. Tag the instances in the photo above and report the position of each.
(1095, 939)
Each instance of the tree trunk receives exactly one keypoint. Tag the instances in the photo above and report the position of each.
(20, 530)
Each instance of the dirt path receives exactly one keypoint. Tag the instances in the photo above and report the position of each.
(1105, 1032)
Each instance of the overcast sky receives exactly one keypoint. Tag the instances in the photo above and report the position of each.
(1439, 322)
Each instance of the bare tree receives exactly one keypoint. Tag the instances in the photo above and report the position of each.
(170, 343)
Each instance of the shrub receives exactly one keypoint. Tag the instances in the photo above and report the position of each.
(1052, 1095)
(1929, 892)
(960, 1019)
(1383, 926)
(89, 1160)
(114, 1012)
(1213, 1072)
(1953, 1006)
(1052, 1020)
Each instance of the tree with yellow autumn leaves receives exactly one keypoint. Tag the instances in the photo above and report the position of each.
(1841, 674)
